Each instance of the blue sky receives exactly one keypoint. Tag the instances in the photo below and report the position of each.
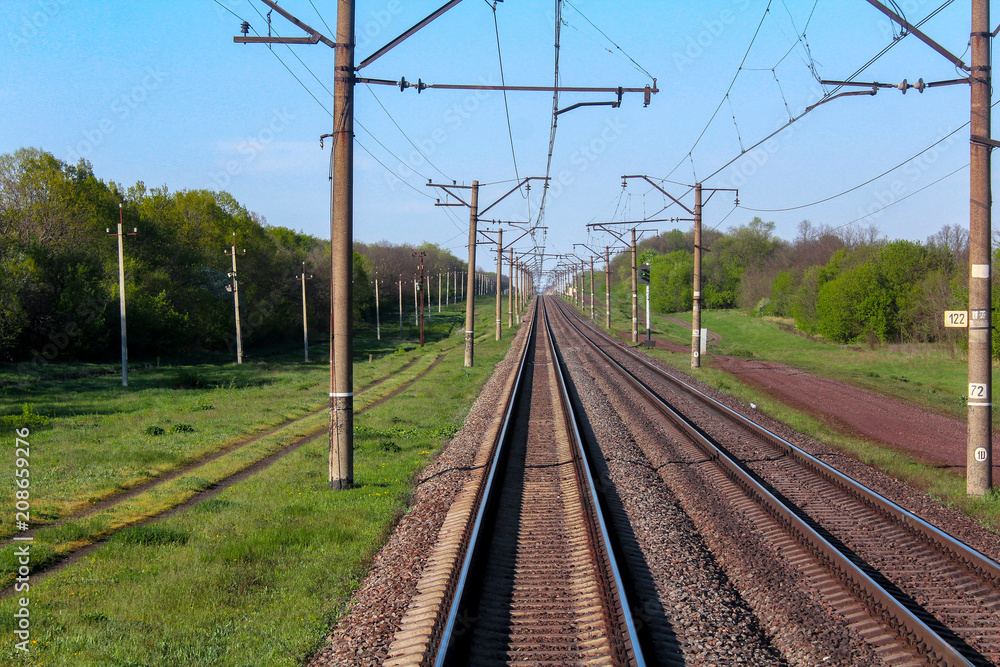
(158, 92)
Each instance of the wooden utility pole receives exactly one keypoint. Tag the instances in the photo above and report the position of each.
(121, 288)
(235, 288)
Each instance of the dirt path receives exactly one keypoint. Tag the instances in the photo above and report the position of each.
(929, 437)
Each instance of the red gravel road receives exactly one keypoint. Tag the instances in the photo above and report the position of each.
(859, 413)
(929, 437)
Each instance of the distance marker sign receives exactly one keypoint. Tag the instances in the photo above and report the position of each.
(956, 318)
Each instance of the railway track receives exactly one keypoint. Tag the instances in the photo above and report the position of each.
(914, 594)
(539, 580)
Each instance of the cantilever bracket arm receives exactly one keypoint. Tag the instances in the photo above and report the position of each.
(672, 198)
(915, 31)
(314, 35)
(381, 52)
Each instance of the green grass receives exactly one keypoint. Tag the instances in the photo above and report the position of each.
(94, 438)
(257, 574)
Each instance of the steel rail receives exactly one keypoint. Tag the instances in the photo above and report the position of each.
(591, 490)
(448, 633)
(969, 556)
(897, 615)
(588, 488)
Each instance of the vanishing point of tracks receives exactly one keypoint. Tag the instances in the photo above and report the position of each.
(533, 575)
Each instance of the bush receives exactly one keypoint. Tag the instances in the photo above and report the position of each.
(27, 419)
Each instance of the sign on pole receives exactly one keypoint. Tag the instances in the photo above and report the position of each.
(956, 319)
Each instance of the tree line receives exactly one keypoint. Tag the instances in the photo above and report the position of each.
(849, 285)
(59, 269)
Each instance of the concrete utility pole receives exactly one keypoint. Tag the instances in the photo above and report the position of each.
(979, 447)
(499, 270)
(979, 443)
(121, 288)
(607, 286)
(400, 303)
(439, 292)
(696, 213)
(635, 295)
(305, 324)
(378, 318)
(235, 289)
(471, 277)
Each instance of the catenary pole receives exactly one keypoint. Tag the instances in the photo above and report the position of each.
(593, 309)
(499, 270)
(635, 294)
(470, 301)
(979, 455)
(341, 256)
(696, 303)
(607, 287)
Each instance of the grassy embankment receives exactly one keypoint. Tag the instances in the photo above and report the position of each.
(928, 376)
(256, 574)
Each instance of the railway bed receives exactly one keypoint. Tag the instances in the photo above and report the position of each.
(712, 574)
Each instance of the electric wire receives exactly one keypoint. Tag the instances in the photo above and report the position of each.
(902, 199)
(405, 136)
(555, 108)
(728, 90)
(333, 35)
(400, 178)
(503, 82)
(870, 180)
(637, 65)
